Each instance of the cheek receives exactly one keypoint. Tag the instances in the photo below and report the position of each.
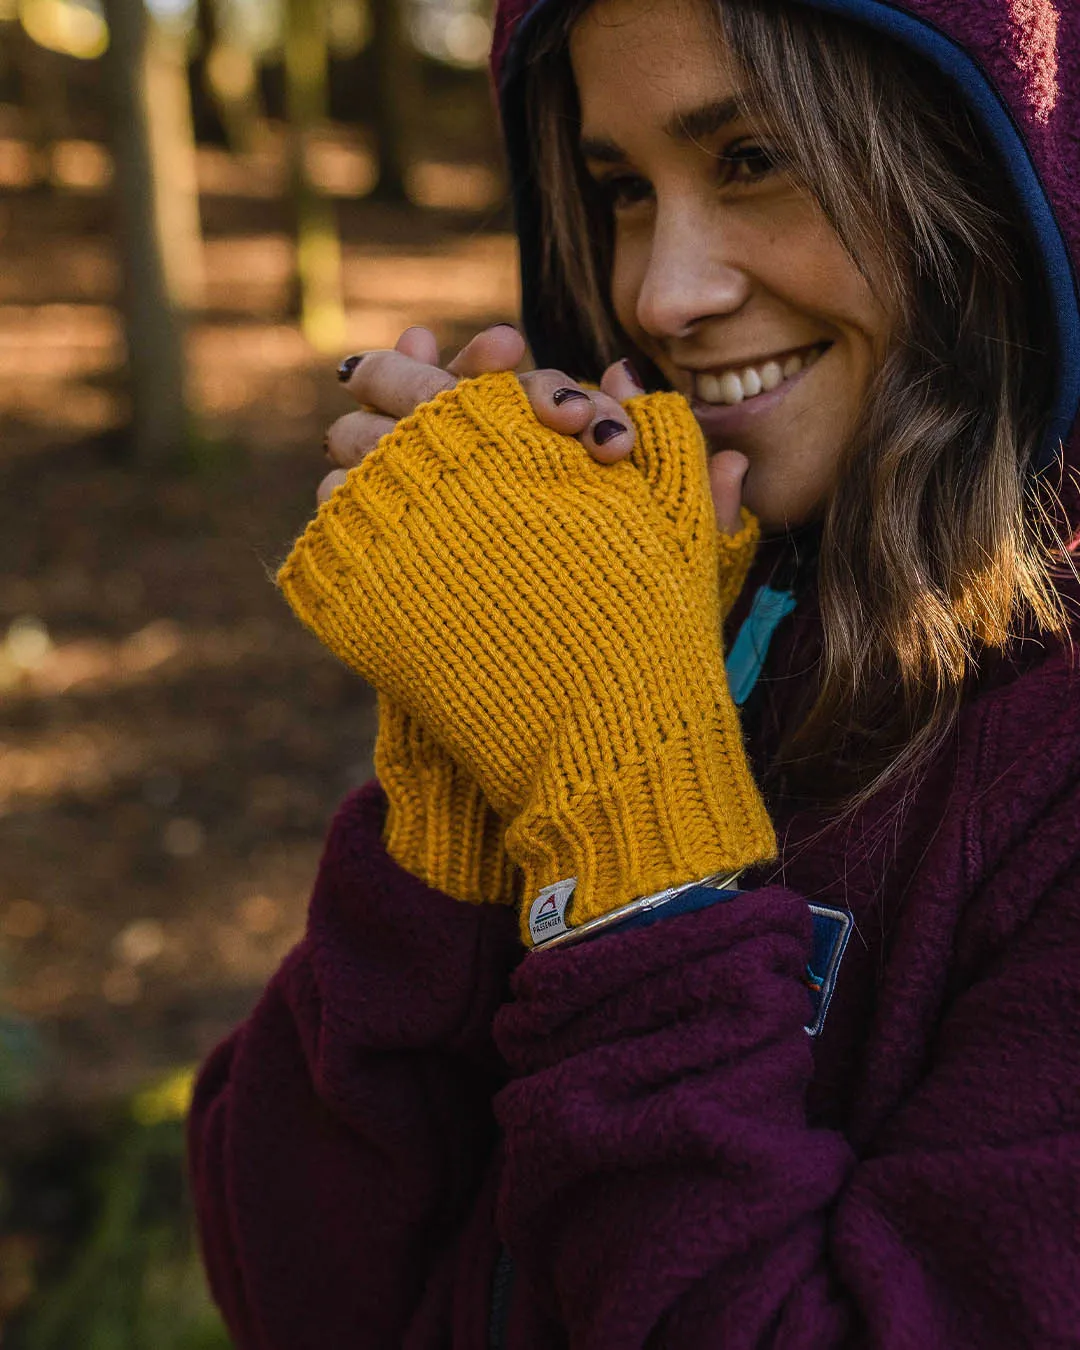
(627, 272)
(832, 279)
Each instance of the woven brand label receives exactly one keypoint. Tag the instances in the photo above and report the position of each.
(547, 916)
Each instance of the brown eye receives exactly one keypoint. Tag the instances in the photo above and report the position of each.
(623, 190)
(747, 163)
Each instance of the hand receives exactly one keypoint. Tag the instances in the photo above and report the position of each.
(555, 625)
(390, 384)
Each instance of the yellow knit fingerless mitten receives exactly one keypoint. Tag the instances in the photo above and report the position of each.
(555, 625)
(439, 825)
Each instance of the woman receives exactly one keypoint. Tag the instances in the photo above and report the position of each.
(823, 1100)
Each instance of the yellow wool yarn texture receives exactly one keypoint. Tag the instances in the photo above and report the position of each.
(553, 625)
(439, 825)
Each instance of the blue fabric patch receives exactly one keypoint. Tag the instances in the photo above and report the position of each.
(832, 928)
(751, 645)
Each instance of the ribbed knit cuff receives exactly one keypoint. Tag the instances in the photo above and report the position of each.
(736, 553)
(439, 825)
(687, 811)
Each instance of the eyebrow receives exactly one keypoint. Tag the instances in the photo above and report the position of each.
(691, 124)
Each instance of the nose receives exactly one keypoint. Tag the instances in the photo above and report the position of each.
(692, 274)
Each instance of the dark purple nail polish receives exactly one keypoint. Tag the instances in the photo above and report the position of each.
(345, 370)
(561, 396)
(631, 373)
(607, 430)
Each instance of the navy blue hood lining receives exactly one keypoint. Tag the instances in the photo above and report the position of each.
(989, 109)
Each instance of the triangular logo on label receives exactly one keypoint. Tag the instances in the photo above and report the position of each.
(547, 914)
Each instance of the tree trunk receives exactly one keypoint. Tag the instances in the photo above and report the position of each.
(230, 81)
(318, 247)
(157, 199)
(397, 84)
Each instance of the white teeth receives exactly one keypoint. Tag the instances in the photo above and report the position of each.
(708, 388)
(731, 388)
(771, 375)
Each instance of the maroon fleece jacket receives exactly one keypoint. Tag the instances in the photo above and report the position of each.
(424, 1138)
(669, 1159)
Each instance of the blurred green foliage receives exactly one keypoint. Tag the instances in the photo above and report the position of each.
(99, 1247)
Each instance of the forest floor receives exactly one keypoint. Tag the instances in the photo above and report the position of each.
(172, 744)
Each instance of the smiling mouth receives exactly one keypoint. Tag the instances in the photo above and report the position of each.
(740, 384)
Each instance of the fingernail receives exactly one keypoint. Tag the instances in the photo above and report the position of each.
(607, 430)
(512, 326)
(561, 396)
(631, 374)
(345, 370)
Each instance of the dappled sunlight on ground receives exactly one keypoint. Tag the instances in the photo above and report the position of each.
(172, 744)
(172, 747)
(61, 336)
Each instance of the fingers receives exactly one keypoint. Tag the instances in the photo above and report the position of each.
(596, 418)
(393, 383)
(499, 348)
(351, 437)
(611, 436)
(390, 384)
(559, 402)
(727, 471)
(329, 483)
(621, 381)
(419, 343)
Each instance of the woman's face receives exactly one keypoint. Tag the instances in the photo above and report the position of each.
(725, 274)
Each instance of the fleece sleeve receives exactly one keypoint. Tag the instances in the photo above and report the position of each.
(338, 1138)
(663, 1188)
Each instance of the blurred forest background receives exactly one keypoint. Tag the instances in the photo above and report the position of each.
(204, 205)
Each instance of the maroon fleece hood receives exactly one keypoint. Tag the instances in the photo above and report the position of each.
(1017, 64)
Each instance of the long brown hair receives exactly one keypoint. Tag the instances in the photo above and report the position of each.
(936, 543)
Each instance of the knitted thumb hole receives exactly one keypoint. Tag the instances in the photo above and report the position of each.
(671, 456)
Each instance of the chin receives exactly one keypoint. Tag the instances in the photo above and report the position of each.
(779, 507)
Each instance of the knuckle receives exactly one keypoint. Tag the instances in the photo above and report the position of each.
(549, 378)
(431, 381)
